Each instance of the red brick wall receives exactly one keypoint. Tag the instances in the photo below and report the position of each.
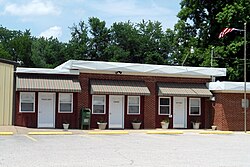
(227, 113)
(26, 119)
(30, 119)
(149, 104)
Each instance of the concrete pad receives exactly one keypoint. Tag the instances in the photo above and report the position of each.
(217, 132)
(6, 133)
(50, 133)
(165, 132)
(107, 132)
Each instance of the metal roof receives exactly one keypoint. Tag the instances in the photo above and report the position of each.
(54, 84)
(114, 87)
(140, 69)
(183, 89)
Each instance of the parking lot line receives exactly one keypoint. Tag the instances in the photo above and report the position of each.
(6, 133)
(50, 133)
(31, 138)
(217, 132)
(165, 132)
(107, 132)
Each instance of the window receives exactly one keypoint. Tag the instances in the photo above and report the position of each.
(164, 105)
(98, 104)
(65, 102)
(27, 102)
(133, 104)
(194, 106)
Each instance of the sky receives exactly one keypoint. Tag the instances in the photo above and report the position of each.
(54, 17)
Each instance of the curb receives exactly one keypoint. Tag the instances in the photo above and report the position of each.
(217, 132)
(6, 133)
(50, 133)
(165, 132)
(108, 133)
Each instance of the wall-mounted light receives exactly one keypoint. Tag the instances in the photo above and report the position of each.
(118, 72)
(212, 99)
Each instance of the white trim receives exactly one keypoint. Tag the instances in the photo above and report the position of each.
(199, 99)
(103, 104)
(54, 109)
(139, 106)
(46, 71)
(20, 101)
(159, 105)
(72, 103)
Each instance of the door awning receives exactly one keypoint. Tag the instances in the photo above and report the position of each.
(183, 89)
(114, 87)
(48, 84)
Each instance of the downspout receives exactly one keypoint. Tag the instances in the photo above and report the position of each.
(14, 96)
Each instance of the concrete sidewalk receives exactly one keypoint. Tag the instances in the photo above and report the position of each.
(9, 130)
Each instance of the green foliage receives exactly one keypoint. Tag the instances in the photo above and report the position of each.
(199, 24)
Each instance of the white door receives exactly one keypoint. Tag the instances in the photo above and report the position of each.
(180, 112)
(116, 110)
(46, 110)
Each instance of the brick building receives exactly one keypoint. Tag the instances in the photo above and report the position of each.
(116, 93)
(227, 109)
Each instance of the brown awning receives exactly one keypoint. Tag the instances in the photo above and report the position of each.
(48, 84)
(183, 89)
(119, 87)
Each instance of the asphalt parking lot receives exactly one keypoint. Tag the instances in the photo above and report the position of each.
(135, 149)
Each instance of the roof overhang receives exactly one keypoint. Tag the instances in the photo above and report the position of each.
(141, 69)
(228, 87)
(48, 84)
(46, 71)
(113, 87)
(183, 90)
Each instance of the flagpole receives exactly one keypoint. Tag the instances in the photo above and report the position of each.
(245, 77)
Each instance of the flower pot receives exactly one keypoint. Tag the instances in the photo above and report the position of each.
(214, 127)
(196, 125)
(136, 125)
(102, 126)
(65, 126)
(164, 125)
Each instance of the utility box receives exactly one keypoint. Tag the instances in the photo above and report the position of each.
(85, 118)
(243, 103)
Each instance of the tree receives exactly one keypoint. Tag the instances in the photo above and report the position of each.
(99, 40)
(48, 52)
(199, 26)
(77, 47)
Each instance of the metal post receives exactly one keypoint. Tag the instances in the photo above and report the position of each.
(212, 55)
(245, 78)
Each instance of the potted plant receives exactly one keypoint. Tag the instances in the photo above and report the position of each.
(196, 124)
(136, 123)
(102, 124)
(165, 123)
(214, 127)
(65, 125)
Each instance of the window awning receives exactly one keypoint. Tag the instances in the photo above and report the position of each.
(48, 84)
(113, 87)
(183, 89)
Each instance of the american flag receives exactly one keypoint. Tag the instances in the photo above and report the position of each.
(228, 30)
